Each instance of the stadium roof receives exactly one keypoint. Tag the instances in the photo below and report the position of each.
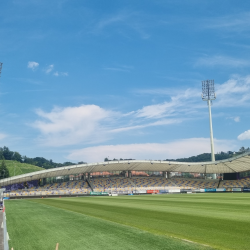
(233, 165)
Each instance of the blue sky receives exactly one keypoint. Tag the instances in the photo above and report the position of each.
(85, 80)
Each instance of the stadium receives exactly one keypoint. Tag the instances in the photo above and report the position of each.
(121, 92)
(155, 206)
(131, 204)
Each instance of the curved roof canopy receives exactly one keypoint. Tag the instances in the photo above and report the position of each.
(233, 165)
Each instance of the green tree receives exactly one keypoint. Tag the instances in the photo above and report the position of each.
(17, 157)
(4, 172)
(7, 154)
(242, 150)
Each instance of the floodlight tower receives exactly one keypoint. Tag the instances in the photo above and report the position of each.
(208, 94)
(1, 64)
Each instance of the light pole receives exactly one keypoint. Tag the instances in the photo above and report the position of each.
(1, 64)
(208, 94)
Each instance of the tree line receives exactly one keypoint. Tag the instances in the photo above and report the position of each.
(200, 158)
(7, 154)
(207, 156)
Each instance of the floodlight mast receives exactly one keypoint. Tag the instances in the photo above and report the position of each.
(1, 64)
(208, 94)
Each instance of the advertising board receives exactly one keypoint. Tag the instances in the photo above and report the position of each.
(140, 191)
(197, 190)
(246, 190)
(174, 190)
(236, 189)
(220, 190)
(186, 190)
(98, 193)
(152, 191)
(163, 191)
(210, 190)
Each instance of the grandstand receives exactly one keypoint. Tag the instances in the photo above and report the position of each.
(241, 183)
(115, 184)
(63, 188)
(195, 184)
(127, 177)
(123, 185)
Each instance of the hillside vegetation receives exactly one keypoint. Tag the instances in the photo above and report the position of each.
(18, 168)
(7, 154)
(207, 156)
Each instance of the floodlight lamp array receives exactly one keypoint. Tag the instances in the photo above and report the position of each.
(208, 92)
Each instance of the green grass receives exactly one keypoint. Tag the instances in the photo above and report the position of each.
(221, 221)
(17, 168)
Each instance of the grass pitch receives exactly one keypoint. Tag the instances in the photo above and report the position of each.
(221, 221)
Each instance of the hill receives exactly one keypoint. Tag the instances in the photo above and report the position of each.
(17, 168)
(37, 161)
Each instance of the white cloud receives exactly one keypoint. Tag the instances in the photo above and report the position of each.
(225, 61)
(87, 124)
(33, 65)
(151, 151)
(145, 125)
(91, 124)
(60, 73)
(179, 103)
(244, 136)
(234, 92)
(122, 68)
(237, 119)
(127, 21)
(49, 69)
(232, 23)
(71, 125)
(121, 17)
(158, 110)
